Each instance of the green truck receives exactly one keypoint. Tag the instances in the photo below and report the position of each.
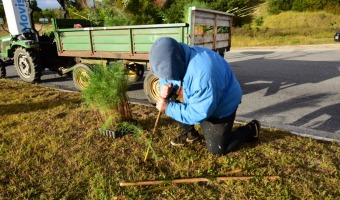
(78, 50)
(131, 44)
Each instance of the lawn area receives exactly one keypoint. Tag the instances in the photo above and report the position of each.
(50, 148)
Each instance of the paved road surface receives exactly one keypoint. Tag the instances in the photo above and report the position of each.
(295, 88)
(289, 88)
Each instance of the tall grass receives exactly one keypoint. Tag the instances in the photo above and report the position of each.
(288, 28)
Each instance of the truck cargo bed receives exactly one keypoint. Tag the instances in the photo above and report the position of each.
(208, 28)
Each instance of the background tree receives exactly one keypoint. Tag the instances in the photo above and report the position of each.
(177, 11)
(143, 11)
(2, 11)
(79, 4)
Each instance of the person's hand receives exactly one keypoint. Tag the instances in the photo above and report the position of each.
(165, 91)
(161, 104)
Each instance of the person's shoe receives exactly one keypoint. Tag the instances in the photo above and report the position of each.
(185, 138)
(255, 126)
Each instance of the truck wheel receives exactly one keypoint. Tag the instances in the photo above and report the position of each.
(80, 75)
(151, 88)
(27, 65)
(135, 72)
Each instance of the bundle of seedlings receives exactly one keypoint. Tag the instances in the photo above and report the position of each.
(105, 94)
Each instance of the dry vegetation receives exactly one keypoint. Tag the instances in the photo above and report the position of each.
(287, 28)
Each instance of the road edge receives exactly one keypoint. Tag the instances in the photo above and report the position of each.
(295, 130)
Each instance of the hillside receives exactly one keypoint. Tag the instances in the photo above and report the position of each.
(287, 28)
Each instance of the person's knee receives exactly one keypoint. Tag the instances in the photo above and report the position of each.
(220, 152)
(223, 148)
(217, 150)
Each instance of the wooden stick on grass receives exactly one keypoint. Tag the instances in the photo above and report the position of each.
(233, 171)
(193, 180)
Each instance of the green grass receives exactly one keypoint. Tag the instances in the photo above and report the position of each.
(50, 148)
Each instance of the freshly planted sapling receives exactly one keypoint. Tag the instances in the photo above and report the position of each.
(106, 95)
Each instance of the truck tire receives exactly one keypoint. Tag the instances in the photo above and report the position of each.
(151, 88)
(135, 72)
(80, 75)
(27, 65)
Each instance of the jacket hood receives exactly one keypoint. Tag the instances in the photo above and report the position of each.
(167, 59)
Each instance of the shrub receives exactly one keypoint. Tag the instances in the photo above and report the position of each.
(106, 94)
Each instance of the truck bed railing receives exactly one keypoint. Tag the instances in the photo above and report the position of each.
(119, 42)
(208, 28)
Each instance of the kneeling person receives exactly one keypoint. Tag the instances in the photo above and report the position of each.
(209, 95)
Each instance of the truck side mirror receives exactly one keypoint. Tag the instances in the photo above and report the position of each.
(43, 20)
(1, 21)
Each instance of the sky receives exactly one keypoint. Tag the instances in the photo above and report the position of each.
(44, 4)
(49, 4)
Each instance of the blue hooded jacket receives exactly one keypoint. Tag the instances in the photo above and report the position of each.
(210, 88)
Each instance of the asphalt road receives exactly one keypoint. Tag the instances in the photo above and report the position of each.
(294, 88)
(291, 88)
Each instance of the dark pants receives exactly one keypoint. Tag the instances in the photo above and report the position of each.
(218, 134)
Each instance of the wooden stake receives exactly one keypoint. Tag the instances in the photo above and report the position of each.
(153, 133)
(193, 180)
(156, 123)
(233, 171)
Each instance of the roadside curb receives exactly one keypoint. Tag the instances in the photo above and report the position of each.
(300, 131)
